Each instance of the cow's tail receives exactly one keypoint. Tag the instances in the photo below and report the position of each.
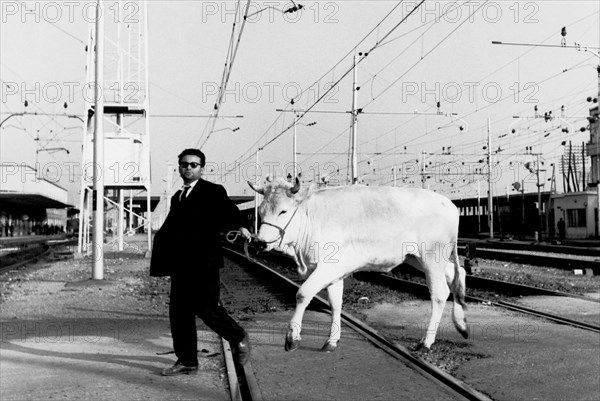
(458, 288)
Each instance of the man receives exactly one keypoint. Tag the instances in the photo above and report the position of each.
(187, 248)
(561, 229)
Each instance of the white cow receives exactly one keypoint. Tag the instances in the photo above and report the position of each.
(333, 232)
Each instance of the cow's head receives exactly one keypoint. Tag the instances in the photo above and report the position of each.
(277, 211)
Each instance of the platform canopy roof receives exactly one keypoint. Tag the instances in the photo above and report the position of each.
(241, 199)
(25, 200)
(22, 188)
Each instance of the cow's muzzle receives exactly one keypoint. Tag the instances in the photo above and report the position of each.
(281, 233)
(279, 229)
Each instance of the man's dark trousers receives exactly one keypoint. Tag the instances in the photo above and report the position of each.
(191, 298)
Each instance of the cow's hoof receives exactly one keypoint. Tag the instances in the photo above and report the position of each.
(421, 348)
(291, 345)
(329, 347)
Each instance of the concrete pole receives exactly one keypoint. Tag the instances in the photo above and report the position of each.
(88, 217)
(148, 223)
(147, 122)
(354, 129)
(478, 208)
(98, 240)
(423, 169)
(256, 196)
(523, 207)
(130, 228)
(82, 213)
(169, 185)
(598, 157)
(295, 173)
(598, 206)
(490, 192)
(539, 191)
(121, 223)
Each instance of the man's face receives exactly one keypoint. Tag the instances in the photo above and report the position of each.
(188, 172)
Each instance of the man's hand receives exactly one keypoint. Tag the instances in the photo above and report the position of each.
(245, 233)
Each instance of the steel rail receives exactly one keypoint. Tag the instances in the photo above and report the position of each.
(490, 284)
(235, 391)
(395, 350)
(48, 247)
(539, 260)
(44, 253)
(242, 386)
(485, 283)
(421, 289)
(549, 316)
(528, 246)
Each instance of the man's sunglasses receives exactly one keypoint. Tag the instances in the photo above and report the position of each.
(186, 164)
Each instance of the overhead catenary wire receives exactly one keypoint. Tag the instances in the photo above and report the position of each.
(486, 76)
(429, 51)
(249, 154)
(234, 45)
(485, 107)
(380, 42)
(510, 62)
(346, 73)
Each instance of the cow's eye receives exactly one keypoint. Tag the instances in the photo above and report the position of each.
(282, 212)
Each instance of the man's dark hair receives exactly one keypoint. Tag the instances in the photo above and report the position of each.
(193, 152)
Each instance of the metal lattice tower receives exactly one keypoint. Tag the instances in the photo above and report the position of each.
(125, 126)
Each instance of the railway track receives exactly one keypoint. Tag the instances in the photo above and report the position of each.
(524, 323)
(285, 289)
(483, 285)
(473, 282)
(548, 260)
(532, 247)
(421, 290)
(17, 254)
(560, 257)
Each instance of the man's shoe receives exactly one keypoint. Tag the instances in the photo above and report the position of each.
(243, 350)
(179, 369)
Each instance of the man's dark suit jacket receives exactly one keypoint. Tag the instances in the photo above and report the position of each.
(188, 241)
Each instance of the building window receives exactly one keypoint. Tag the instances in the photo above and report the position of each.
(576, 218)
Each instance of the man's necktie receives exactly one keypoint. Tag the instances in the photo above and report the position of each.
(183, 194)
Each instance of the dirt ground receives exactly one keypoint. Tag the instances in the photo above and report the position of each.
(529, 359)
(508, 356)
(64, 336)
(362, 298)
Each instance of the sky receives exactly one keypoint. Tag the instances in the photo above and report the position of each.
(410, 56)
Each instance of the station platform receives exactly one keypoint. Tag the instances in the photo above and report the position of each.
(64, 336)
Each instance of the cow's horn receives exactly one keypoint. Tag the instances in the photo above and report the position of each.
(296, 186)
(257, 189)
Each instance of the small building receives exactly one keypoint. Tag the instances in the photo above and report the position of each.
(579, 211)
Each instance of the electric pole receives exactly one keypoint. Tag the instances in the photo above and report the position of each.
(98, 233)
(490, 192)
(354, 129)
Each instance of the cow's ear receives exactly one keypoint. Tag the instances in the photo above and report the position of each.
(296, 186)
(257, 189)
